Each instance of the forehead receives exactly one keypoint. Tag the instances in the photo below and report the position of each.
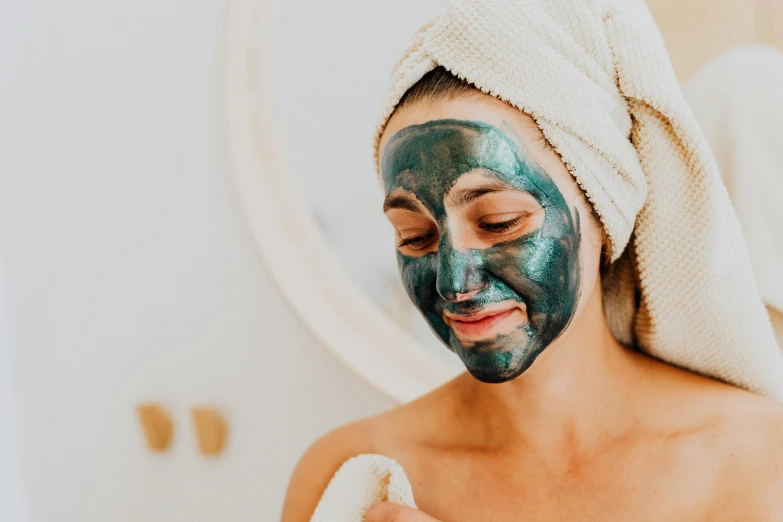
(428, 159)
(442, 150)
(493, 133)
(517, 129)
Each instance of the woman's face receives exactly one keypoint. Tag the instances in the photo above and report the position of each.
(490, 230)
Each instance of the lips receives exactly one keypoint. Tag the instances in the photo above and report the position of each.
(479, 324)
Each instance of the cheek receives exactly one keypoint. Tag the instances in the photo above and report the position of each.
(543, 270)
(529, 261)
(590, 277)
(419, 277)
(592, 251)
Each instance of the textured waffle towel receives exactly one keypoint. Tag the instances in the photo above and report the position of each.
(359, 483)
(596, 77)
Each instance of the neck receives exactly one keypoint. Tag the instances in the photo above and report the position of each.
(581, 390)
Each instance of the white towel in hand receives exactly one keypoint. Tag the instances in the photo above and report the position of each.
(360, 482)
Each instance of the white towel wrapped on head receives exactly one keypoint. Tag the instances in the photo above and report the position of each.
(596, 77)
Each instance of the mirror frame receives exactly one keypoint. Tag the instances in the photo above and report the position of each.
(292, 247)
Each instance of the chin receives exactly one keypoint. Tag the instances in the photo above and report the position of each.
(498, 367)
(500, 359)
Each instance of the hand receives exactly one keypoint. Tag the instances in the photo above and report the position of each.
(388, 512)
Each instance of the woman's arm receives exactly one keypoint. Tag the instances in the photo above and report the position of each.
(316, 468)
(308, 481)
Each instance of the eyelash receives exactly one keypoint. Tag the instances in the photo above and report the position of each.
(420, 241)
(502, 226)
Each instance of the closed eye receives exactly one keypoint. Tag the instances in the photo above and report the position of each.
(502, 226)
(416, 233)
(503, 222)
(417, 242)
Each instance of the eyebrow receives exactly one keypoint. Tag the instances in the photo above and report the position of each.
(402, 200)
(463, 196)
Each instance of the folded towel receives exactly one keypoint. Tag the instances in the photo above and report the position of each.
(596, 77)
(360, 482)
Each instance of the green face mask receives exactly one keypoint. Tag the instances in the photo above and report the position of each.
(539, 269)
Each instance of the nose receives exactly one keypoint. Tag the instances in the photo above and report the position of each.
(460, 273)
(466, 296)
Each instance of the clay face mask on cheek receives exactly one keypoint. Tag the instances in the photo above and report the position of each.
(538, 272)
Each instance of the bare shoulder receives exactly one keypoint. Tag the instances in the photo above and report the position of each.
(394, 433)
(748, 449)
(754, 424)
(319, 463)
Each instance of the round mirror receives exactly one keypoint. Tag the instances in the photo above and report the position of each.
(304, 83)
(329, 95)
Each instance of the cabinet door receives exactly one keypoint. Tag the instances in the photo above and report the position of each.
(772, 11)
(697, 30)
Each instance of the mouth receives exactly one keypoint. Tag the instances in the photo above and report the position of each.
(486, 323)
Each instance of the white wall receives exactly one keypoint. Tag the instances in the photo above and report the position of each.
(12, 505)
(130, 276)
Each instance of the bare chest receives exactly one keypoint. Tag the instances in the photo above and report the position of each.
(457, 488)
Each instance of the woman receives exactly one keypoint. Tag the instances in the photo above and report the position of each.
(562, 227)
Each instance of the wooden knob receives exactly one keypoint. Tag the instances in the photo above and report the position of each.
(211, 430)
(157, 426)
